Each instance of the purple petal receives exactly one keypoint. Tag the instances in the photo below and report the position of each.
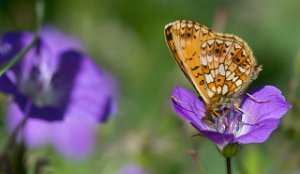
(59, 83)
(189, 107)
(52, 36)
(74, 138)
(192, 109)
(220, 139)
(258, 133)
(7, 86)
(93, 94)
(11, 43)
(47, 113)
(265, 115)
(274, 107)
(36, 132)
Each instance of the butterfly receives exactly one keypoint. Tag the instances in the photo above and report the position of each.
(219, 66)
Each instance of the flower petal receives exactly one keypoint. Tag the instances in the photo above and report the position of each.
(74, 138)
(7, 86)
(11, 43)
(52, 36)
(258, 133)
(36, 132)
(220, 139)
(93, 92)
(47, 113)
(273, 107)
(264, 115)
(189, 107)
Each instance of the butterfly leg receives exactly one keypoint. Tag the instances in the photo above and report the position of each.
(244, 112)
(256, 100)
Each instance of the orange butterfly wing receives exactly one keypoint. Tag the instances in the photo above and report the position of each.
(218, 65)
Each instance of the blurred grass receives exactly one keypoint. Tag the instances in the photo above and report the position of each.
(126, 38)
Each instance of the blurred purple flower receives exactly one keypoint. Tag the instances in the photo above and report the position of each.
(59, 88)
(240, 128)
(132, 169)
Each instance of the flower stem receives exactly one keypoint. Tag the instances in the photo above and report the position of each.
(39, 18)
(228, 165)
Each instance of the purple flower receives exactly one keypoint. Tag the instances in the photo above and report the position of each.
(256, 128)
(59, 88)
(132, 169)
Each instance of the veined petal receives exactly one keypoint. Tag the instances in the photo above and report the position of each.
(218, 138)
(266, 113)
(258, 133)
(189, 107)
(270, 104)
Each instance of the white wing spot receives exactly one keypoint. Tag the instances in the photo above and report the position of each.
(209, 58)
(210, 42)
(234, 79)
(210, 93)
(248, 72)
(231, 76)
(238, 82)
(244, 53)
(217, 71)
(222, 70)
(227, 43)
(224, 89)
(209, 78)
(237, 46)
(189, 25)
(219, 89)
(242, 69)
(213, 89)
(218, 41)
(203, 61)
(212, 72)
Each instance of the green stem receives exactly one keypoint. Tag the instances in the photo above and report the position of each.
(20, 55)
(228, 165)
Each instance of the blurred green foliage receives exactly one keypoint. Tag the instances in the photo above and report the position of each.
(126, 38)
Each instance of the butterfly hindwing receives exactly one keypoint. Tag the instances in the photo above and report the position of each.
(218, 65)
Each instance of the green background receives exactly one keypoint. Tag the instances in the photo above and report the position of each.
(125, 37)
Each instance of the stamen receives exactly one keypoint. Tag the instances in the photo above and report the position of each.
(244, 112)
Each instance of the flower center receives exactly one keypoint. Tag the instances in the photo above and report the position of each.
(35, 80)
(38, 87)
(229, 122)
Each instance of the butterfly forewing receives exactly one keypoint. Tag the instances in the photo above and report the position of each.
(218, 65)
(183, 39)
